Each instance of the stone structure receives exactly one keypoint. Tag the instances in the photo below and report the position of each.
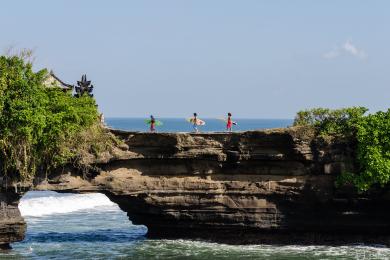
(84, 87)
(273, 186)
(53, 81)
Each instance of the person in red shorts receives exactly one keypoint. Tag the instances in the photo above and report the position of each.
(229, 123)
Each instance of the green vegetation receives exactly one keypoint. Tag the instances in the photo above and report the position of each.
(372, 133)
(335, 122)
(40, 127)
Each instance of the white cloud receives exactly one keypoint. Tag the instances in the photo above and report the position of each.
(353, 50)
(348, 48)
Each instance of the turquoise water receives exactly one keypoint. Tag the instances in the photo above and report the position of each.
(181, 125)
(90, 226)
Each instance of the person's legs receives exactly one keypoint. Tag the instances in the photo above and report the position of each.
(229, 127)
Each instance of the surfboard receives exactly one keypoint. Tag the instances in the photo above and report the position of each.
(225, 120)
(198, 121)
(156, 122)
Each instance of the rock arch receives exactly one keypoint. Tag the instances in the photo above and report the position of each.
(248, 187)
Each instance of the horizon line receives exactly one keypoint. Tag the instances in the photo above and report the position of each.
(139, 117)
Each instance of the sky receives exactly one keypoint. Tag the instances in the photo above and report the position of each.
(253, 58)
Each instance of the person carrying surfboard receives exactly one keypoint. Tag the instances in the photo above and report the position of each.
(230, 123)
(195, 121)
(152, 124)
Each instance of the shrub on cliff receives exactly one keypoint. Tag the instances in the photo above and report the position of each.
(373, 152)
(331, 121)
(372, 134)
(37, 122)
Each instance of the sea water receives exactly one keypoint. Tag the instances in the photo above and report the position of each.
(90, 226)
(182, 125)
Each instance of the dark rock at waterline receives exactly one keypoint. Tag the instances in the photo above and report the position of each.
(273, 186)
(12, 225)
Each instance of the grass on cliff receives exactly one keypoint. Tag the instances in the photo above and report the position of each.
(371, 133)
(87, 146)
(42, 128)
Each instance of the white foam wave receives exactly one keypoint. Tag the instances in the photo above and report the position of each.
(57, 204)
(200, 248)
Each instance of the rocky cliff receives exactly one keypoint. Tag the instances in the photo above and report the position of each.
(12, 225)
(273, 186)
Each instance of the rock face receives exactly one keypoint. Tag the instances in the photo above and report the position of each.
(260, 186)
(12, 225)
(274, 186)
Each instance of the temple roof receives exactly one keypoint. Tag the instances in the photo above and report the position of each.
(53, 81)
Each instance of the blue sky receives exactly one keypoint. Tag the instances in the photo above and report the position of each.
(256, 59)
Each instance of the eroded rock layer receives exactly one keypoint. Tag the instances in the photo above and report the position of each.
(241, 187)
(12, 225)
(274, 186)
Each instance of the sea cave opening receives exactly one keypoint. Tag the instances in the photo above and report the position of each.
(67, 218)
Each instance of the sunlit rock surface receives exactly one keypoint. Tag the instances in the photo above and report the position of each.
(272, 186)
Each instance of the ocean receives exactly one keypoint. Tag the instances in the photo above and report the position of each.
(90, 226)
(181, 125)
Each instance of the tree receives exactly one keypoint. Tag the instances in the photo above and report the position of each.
(36, 122)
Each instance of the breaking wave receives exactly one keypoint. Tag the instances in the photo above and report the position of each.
(38, 204)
